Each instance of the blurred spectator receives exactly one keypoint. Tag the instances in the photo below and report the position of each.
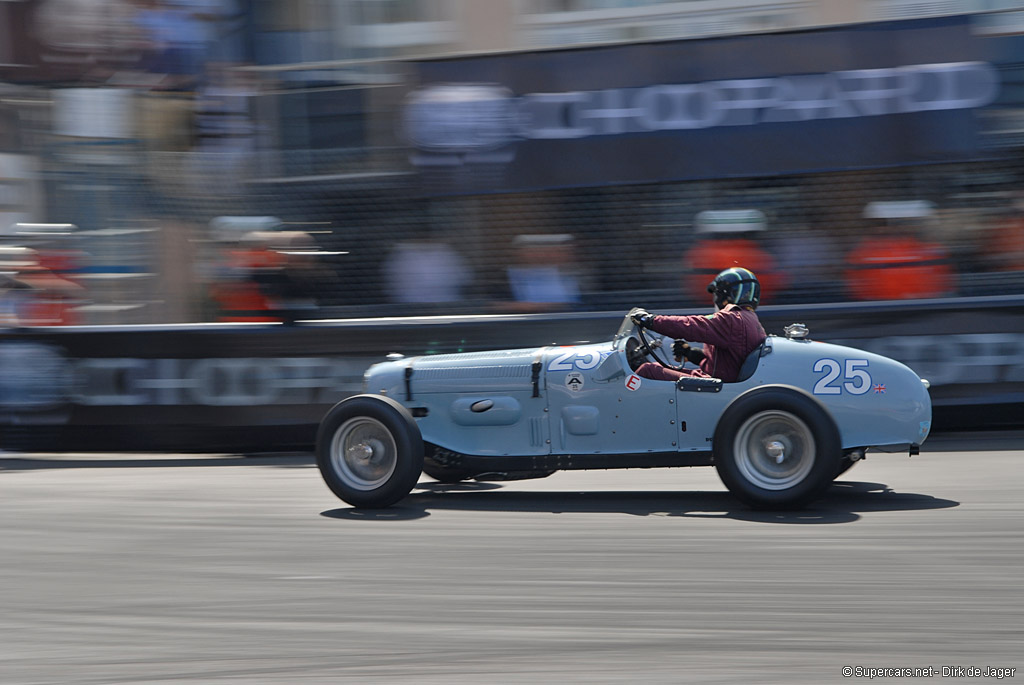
(294, 288)
(175, 43)
(226, 134)
(222, 23)
(962, 226)
(32, 294)
(1004, 244)
(85, 41)
(808, 258)
(55, 247)
(273, 276)
(727, 239)
(893, 261)
(13, 293)
(426, 271)
(239, 291)
(545, 274)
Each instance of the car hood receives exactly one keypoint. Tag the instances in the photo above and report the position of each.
(461, 372)
(509, 359)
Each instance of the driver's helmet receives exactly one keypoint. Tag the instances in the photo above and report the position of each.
(737, 286)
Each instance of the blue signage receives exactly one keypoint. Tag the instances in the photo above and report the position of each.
(850, 97)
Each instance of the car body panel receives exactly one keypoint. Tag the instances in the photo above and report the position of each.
(592, 410)
(586, 400)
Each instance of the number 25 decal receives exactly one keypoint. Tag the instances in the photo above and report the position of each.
(857, 381)
(567, 361)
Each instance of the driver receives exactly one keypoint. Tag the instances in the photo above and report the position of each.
(729, 335)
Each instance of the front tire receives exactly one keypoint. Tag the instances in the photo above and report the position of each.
(776, 448)
(369, 451)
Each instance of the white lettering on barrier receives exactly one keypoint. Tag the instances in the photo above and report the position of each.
(675, 107)
(108, 382)
(237, 381)
(745, 102)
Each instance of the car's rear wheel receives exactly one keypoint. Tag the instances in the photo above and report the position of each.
(369, 451)
(776, 448)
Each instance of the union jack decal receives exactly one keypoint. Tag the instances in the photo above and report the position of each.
(879, 389)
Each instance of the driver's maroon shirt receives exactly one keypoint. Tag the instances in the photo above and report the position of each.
(729, 335)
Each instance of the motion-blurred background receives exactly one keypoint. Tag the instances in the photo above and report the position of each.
(254, 160)
(352, 165)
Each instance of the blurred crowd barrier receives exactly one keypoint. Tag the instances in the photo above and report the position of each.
(147, 241)
(245, 193)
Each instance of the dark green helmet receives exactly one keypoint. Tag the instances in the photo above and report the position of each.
(737, 286)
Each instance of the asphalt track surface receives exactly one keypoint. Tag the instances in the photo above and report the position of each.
(222, 569)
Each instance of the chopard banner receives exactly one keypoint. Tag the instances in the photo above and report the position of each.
(849, 97)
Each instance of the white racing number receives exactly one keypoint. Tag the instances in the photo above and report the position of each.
(856, 380)
(567, 361)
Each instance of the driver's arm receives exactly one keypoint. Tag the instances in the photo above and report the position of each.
(715, 329)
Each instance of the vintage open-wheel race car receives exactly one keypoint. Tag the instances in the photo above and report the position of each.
(800, 414)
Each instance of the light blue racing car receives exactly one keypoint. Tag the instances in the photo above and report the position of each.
(801, 413)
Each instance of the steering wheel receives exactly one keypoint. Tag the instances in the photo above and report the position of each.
(638, 349)
(649, 351)
(635, 355)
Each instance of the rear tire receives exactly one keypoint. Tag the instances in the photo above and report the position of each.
(369, 451)
(776, 448)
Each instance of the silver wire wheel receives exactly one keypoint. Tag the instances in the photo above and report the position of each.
(369, 451)
(363, 453)
(774, 450)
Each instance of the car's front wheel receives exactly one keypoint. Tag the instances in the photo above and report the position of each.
(369, 451)
(776, 448)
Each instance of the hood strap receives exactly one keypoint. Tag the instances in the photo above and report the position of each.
(408, 383)
(535, 369)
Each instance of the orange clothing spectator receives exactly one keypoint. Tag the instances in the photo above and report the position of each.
(241, 295)
(727, 239)
(242, 301)
(898, 267)
(45, 299)
(893, 263)
(711, 256)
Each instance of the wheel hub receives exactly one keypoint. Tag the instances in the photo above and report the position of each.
(361, 452)
(776, 450)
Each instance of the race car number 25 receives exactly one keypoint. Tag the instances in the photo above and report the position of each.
(567, 361)
(851, 377)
